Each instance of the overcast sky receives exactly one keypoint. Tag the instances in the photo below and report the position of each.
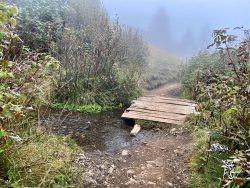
(195, 17)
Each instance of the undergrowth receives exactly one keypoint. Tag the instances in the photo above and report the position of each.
(220, 85)
(43, 161)
(83, 108)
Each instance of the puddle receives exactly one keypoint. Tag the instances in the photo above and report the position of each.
(104, 132)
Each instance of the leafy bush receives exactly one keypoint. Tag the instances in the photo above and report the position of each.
(223, 95)
(26, 157)
(100, 60)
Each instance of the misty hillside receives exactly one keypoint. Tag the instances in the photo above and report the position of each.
(163, 67)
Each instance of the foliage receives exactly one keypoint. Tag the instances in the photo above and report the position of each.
(200, 68)
(223, 97)
(22, 72)
(102, 62)
(85, 109)
(40, 22)
(26, 157)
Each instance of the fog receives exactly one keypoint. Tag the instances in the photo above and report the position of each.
(183, 27)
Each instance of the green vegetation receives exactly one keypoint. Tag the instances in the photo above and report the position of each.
(84, 109)
(27, 156)
(64, 54)
(162, 68)
(101, 62)
(220, 85)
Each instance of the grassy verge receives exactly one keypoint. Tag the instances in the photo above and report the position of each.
(83, 108)
(205, 166)
(43, 160)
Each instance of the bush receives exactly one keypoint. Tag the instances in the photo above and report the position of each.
(96, 55)
(223, 96)
(26, 157)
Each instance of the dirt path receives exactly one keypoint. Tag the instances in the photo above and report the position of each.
(172, 89)
(160, 161)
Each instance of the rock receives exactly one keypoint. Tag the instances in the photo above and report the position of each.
(178, 152)
(170, 184)
(156, 163)
(111, 169)
(151, 183)
(135, 130)
(102, 167)
(157, 129)
(130, 171)
(173, 131)
(131, 182)
(125, 152)
(149, 166)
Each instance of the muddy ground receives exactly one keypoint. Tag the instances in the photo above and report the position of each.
(154, 158)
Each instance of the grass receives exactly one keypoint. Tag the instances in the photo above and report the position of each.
(205, 166)
(44, 160)
(94, 108)
(163, 68)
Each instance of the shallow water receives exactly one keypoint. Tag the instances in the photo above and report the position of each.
(104, 132)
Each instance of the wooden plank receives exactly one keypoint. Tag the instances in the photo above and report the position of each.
(158, 109)
(164, 108)
(169, 98)
(150, 118)
(152, 102)
(138, 114)
(178, 117)
(168, 101)
(147, 103)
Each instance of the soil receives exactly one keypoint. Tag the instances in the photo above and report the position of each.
(111, 158)
(160, 160)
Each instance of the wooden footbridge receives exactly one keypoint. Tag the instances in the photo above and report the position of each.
(160, 109)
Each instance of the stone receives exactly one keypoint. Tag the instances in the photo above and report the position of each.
(135, 130)
(170, 184)
(125, 152)
(130, 171)
(131, 182)
(173, 131)
(151, 183)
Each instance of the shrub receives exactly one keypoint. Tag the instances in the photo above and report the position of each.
(26, 157)
(223, 96)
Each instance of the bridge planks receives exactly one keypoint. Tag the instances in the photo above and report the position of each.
(160, 109)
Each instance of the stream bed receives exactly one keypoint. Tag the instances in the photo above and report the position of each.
(103, 132)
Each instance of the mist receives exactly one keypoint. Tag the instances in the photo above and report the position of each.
(183, 27)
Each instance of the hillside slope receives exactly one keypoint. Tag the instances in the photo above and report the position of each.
(163, 67)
